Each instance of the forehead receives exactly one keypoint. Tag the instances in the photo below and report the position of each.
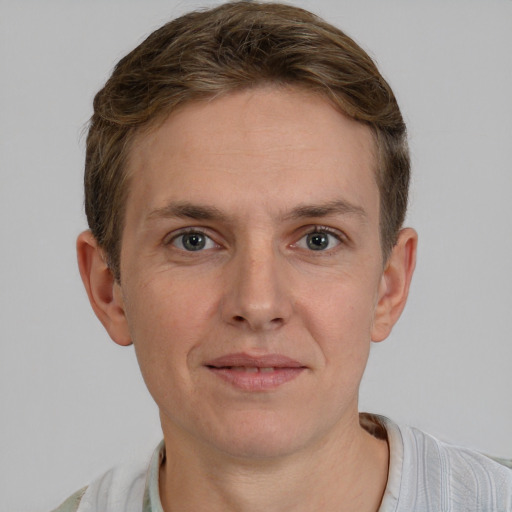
(263, 141)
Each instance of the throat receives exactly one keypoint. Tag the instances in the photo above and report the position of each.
(338, 479)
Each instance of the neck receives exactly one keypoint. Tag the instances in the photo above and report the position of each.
(345, 472)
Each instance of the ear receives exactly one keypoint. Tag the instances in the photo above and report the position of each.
(103, 291)
(394, 284)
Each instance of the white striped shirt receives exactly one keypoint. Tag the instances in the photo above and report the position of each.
(425, 475)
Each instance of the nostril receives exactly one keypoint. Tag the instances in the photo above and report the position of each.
(257, 322)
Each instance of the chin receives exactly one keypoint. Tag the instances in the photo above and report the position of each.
(261, 448)
(261, 438)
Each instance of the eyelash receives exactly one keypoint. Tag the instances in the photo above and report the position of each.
(340, 238)
(187, 231)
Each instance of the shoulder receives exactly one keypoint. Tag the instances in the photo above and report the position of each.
(456, 462)
(448, 477)
(120, 488)
(72, 503)
(125, 488)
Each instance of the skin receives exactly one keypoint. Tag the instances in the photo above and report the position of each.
(256, 174)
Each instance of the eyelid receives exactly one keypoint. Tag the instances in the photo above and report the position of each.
(174, 235)
(336, 233)
(318, 228)
(306, 230)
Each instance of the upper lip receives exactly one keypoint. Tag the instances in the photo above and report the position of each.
(264, 361)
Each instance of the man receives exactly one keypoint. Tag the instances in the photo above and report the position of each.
(246, 184)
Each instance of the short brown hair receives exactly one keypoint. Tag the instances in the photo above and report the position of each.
(234, 46)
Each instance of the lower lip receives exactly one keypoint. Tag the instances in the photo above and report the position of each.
(257, 381)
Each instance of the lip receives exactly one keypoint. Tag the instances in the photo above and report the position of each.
(255, 373)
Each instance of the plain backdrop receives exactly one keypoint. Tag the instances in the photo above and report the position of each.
(73, 403)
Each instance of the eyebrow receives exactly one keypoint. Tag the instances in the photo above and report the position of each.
(337, 207)
(186, 210)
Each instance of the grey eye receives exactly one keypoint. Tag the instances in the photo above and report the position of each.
(317, 241)
(193, 241)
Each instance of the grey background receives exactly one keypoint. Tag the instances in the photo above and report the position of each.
(73, 403)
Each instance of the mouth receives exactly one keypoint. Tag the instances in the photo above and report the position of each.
(249, 373)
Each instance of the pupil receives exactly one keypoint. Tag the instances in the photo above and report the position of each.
(194, 241)
(317, 241)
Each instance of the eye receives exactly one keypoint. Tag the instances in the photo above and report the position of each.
(320, 239)
(193, 241)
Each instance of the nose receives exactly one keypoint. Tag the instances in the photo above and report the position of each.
(257, 293)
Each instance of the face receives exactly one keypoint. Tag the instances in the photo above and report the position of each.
(251, 269)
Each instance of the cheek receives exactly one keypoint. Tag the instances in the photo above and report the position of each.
(167, 321)
(344, 311)
(168, 307)
(340, 321)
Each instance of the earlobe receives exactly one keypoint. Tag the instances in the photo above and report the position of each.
(103, 291)
(395, 283)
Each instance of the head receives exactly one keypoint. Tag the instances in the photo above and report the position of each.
(233, 47)
(246, 182)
